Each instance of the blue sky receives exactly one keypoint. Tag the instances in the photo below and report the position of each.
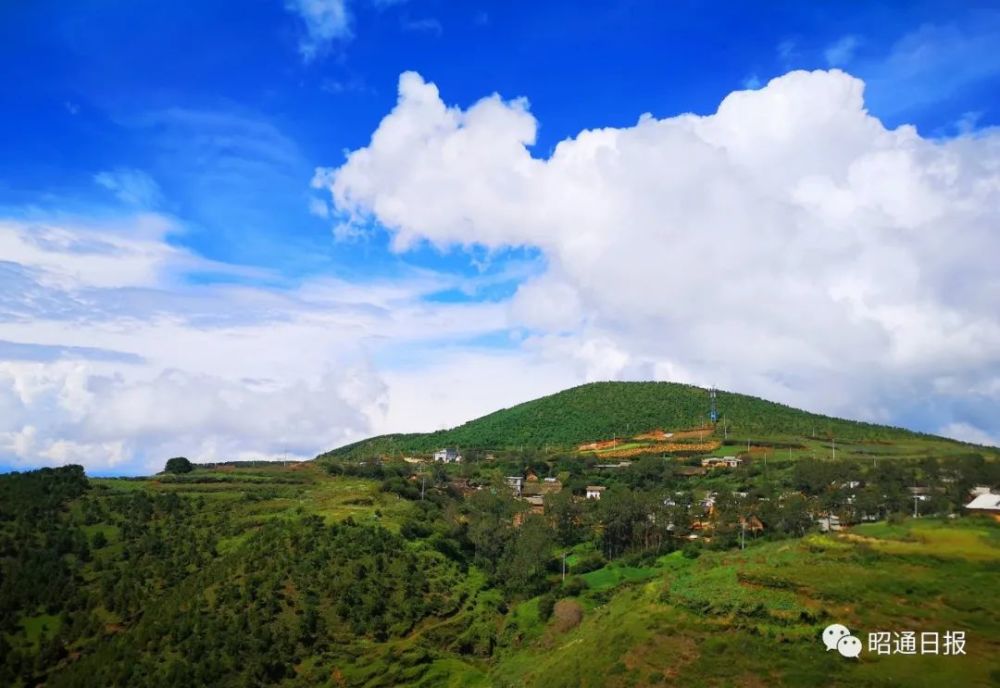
(184, 139)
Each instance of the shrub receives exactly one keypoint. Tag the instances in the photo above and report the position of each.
(546, 603)
(590, 562)
(691, 550)
(574, 586)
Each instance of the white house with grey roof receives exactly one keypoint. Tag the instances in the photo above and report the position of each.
(448, 455)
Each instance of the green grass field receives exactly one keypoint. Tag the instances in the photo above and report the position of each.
(754, 618)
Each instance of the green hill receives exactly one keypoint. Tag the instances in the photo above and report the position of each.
(602, 410)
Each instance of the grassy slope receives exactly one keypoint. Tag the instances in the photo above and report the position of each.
(753, 618)
(602, 410)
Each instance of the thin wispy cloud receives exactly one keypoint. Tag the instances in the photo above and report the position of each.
(934, 63)
(841, 52)
(131, 187)
(428, 25)
(142, 360)
(325, 23)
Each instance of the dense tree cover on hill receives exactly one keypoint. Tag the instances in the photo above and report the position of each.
(297, 588)
(603, 410)
(131, 589)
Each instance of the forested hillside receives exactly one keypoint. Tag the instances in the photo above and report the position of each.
(602, 410)
(203, 581)
(383, 573)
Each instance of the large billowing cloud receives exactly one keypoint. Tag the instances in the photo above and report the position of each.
(787, 245)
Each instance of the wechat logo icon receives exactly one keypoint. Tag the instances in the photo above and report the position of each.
(838, 637)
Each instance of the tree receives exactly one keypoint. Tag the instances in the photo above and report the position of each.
(566, 516)
(522, 568)
(491, 523)
(625, 517)
(178, 465)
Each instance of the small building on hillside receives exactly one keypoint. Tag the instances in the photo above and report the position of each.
(752, 524)
(988, 504)
(595, 491)
(979, 490)
(448, 455)
(828, 522)
(722, 462)
(516, 484)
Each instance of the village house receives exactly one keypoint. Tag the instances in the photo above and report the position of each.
(753, 524)
(722, 461)
(922, 494)
(448, 455)
(828, 522)
(708, 503)
(988, 504)
(595, 491)
(516, 484)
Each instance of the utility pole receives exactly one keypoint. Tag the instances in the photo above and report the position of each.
(564, 567)
(834, 448)
(423, 484)
(743, 533)
(916, 498)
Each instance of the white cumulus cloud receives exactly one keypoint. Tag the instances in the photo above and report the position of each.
(788, 245)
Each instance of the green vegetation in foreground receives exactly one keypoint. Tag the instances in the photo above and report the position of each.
(600, 411)
(754, 617)
(340, 575)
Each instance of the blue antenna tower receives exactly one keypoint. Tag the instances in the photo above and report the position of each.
(713, 412)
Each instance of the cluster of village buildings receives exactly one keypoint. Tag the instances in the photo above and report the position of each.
(532, 491)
